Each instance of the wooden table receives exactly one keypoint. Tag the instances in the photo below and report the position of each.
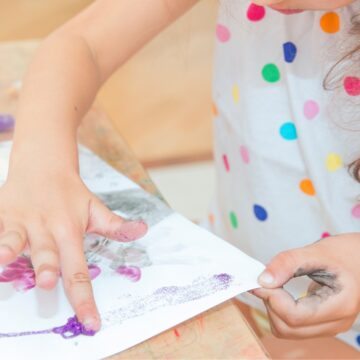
(220, 333)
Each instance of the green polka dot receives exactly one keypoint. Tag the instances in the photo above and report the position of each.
(233, 220)
(271, 73)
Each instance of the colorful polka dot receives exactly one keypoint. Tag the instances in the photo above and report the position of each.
(356, 211)
(211, 218)
(358, 339)
(214, 109)
(311, 109)
(271, 73)
(290, 51)
(352, 85)
(233, 220)
(307, 187)
(333, 162)
(260, 212)
(255, 12)
(235, 94)
(226, 163)
(325, 235)
(288, 131)
(244, 153)
(330, 22)
(222, 33)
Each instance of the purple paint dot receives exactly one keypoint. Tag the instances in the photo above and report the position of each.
(311, 109)
(222, 33)
(7, 122)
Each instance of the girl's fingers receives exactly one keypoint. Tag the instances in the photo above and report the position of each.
(76, 280)
(104, 222)
(45, 259)
(12, 242)
(283, 330)
(311, 309)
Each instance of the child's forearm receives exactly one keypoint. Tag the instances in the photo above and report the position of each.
(69, 68)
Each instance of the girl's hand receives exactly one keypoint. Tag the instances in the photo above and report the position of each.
(333, 299)
(50, 212)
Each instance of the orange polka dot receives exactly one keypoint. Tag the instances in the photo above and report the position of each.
(307, 187)
(214, 109)
(330, 22)
(211, 218)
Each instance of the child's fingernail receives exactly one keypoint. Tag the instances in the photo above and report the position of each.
(47, 278)
(132, 230)
(90, 324)
(266, 278)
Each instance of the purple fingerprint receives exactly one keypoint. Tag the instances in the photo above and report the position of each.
(133, 273)
(94, 271)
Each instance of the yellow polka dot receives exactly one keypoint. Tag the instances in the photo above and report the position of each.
(307, 187)
(333, 162)
(235, 94)
(330, 22)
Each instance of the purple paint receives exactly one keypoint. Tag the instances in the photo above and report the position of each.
(133, 273)
(94, 271)
(71, 329)
(20, 273)
(162, 297)
(168, 296)
(7, 122)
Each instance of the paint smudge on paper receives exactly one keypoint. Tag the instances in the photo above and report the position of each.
(162, 297)
(71, 329)
(22, 275)
(168, 296)
(133, 273)
(94, 271)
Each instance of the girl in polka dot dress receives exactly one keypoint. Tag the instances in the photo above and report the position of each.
(282, 149)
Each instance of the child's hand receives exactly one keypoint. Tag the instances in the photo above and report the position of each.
(50, 213)
(333, 299)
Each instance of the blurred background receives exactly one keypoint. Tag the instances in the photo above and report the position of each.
(159, 101)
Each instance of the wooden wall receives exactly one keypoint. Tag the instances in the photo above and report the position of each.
(160, 100)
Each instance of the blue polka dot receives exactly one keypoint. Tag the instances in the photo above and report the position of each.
(260, 212)
(358, 339)
(288, 131)
(289, 51)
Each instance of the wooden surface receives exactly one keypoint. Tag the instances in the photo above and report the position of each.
(160, 100)
(219, 333)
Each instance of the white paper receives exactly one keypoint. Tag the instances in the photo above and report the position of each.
(185, 270)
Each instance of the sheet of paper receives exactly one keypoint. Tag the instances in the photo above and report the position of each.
(175, 272)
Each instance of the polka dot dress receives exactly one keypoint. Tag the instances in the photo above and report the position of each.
(280, 148)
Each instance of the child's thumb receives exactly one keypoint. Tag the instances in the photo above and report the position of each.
(282, 268)
(104, 222)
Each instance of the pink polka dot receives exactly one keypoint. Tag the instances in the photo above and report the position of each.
(325, 235)
(222, 33)
(226, 163)
(356, 211)
(244, 152)
(255, 12)
(311, 109)
(352, 85)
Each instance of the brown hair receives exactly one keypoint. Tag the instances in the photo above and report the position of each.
(331, 81)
